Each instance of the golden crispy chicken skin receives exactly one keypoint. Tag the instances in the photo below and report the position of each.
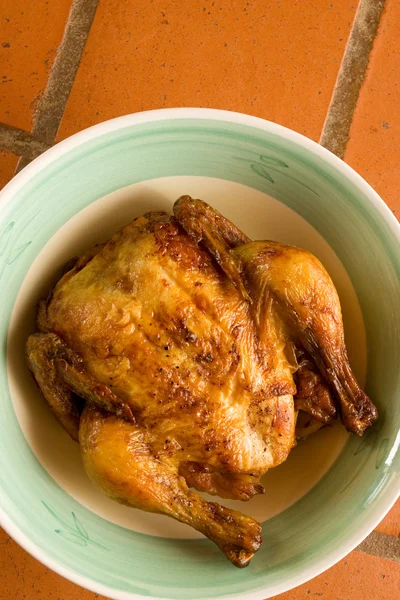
(191, 350)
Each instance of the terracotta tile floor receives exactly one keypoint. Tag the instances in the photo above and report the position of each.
(279, 60)
(374, 144)
(30, 34)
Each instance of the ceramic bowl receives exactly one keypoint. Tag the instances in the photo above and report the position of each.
(273, 183)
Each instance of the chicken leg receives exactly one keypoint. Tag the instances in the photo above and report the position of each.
(117, 457)
(298, 286)
(308, 302)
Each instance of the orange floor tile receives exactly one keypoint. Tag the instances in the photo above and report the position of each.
(278, 60)
(8, 164)
(30, 33)
(374, 146)
(356, 577)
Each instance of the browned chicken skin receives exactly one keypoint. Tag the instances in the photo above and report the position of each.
(190, 350)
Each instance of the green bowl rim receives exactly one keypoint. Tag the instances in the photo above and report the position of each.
(389, 495)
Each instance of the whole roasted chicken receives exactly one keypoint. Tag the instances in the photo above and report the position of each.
(180, 355)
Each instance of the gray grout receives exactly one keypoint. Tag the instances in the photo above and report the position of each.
(20, 142)
(336, 129)
(52, 104)
(382, 545)
(51, 107)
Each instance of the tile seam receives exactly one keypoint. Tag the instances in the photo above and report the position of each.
(351, 76)
(381, 545)
(51, 106)
(20, 142)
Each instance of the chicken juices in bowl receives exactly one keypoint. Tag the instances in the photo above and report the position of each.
(315, 529)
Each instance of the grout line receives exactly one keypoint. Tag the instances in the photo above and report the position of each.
(51, 106)
(20, 142)
(382, 545)
(336, 129)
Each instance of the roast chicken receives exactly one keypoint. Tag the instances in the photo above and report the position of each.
(183, 356)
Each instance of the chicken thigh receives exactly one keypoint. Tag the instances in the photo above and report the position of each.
(179, 354)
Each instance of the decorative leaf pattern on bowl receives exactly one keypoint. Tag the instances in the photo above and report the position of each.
(75, 533)
(263, 164)
(9, 250)
(370, 441)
